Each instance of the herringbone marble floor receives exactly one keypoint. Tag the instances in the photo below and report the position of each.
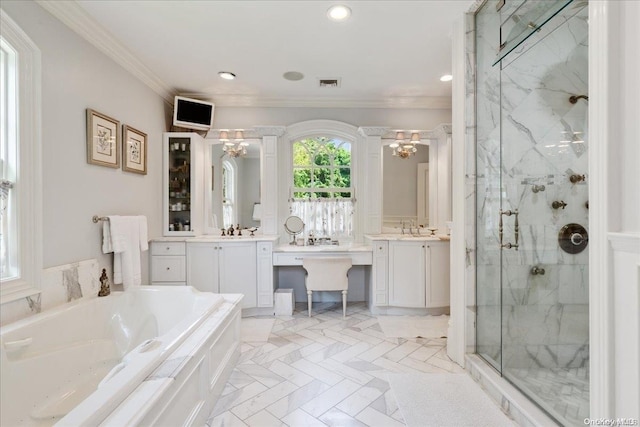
(324, 370)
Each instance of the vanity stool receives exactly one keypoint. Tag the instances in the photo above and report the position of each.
(327, 274)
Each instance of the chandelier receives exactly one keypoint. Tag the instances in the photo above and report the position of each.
(235, 147)
(404, 148)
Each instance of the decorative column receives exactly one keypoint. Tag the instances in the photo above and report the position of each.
(269, 182)
(370, 189)
(440, 178)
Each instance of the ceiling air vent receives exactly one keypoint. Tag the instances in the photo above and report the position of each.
(331, 82)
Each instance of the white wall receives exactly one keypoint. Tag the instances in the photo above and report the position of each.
(76, 76)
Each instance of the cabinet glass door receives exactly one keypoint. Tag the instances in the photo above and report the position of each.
(179, 191)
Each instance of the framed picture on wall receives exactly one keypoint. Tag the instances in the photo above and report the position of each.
(103, 141)
(134, 150)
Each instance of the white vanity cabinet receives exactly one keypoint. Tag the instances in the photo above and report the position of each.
(265, 278)
(379, 273)
(437, 275)
(168, 263)
(224, 267)
(407, 260)
(409, 272)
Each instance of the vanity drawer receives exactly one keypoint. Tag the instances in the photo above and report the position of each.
(295, 258)
(168, 248)
(168, 269)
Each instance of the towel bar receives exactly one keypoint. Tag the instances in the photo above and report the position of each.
(97, 218)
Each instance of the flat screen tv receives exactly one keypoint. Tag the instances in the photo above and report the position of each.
(192, 113)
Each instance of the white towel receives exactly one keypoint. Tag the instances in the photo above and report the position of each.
(126, 237)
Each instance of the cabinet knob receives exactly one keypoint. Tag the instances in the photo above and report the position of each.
(167, 248)
(168, 268)
(380, 248)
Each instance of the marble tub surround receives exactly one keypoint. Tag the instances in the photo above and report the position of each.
(102, 349)
(187, 384)
(59, 285)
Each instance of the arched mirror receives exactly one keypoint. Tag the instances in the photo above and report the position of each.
(232, 187)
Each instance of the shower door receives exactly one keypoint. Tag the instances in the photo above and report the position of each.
(532, 284)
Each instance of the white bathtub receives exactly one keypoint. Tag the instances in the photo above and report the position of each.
(78, 364)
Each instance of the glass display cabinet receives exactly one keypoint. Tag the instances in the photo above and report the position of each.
(182, 202)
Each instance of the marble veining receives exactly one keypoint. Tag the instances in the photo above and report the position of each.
(72, 284)
(59, 285)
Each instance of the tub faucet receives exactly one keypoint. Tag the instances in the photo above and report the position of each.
(104, 284)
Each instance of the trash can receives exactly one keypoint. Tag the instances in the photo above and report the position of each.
(284, 302)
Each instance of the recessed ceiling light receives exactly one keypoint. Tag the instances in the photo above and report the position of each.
(227, 75)
(446, 78)
(339, 12)
(293, 75)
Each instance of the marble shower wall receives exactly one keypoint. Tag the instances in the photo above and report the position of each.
(60, 285)
(529, 134)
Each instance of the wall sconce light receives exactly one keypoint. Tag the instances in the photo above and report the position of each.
(235, 147)
(404, 148)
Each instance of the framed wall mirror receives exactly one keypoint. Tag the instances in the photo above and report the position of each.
(405, 188)
(232, 187)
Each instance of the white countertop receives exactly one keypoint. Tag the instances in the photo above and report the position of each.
(409, 237)
(357, 247)
(214, 239)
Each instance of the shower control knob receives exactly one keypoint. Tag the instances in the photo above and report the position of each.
(577, 239)
(573, 238)
(558, 204)
(575, 178)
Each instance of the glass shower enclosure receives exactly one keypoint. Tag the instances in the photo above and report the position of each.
(532, 200)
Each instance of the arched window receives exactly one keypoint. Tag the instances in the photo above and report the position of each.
(229, 212)
(322, 187)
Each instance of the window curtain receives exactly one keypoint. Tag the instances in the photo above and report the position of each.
(326, 217)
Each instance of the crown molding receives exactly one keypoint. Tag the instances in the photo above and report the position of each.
(269, 130)
(442, 130)
(425, 102)
(373, 130)
(78, 20)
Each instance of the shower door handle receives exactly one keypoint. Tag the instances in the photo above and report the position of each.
(509, 245)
